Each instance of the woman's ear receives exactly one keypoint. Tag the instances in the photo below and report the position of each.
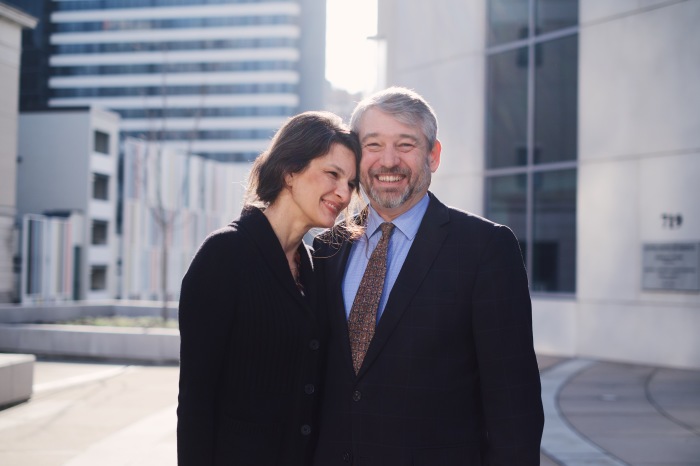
(289, 179)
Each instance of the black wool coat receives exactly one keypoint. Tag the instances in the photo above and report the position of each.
(251, 352)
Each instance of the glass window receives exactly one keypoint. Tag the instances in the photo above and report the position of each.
(100, 186)
(554, 231)
(508, 20)
(100, 231)
(531, 134)
(506, 202)
(556, 100)
(98, 277)
(101, 142)
(506, 110)
(556, 14)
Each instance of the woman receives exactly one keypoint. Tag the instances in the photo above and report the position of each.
(251, 344)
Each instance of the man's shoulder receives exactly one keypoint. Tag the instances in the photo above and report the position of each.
(465, 217)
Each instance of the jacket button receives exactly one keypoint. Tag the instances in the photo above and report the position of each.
(314, 344)
(347, 456)
(356, 395)
(305, 429)
(309, 389)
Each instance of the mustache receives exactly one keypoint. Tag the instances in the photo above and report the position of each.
(390, 171)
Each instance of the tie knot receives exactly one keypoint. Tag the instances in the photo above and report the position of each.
(387, 228)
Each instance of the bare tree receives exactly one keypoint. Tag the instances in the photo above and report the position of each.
(166, 219)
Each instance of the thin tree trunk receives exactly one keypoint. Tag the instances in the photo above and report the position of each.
(164, 277)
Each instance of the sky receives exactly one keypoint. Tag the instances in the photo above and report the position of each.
(351, 59)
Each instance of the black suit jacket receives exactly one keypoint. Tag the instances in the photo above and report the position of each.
(450, 377)
(251, 352)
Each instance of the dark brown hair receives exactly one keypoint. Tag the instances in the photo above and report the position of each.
(301, 139)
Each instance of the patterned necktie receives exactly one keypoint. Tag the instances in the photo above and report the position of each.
(363, 314)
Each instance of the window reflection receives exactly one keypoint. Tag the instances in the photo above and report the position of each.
(506, 203)
(556, 14)
(508, 20)
(531, 123)
(556, 97)
(554, 231)
(507, 111)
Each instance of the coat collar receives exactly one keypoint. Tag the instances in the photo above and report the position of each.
(255, 225)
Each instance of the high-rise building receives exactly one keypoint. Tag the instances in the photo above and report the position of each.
(212, 77)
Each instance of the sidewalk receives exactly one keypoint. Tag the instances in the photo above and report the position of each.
(598, 413)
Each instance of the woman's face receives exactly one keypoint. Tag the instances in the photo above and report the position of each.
(323, 189)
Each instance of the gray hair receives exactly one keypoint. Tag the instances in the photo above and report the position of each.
(406, 105)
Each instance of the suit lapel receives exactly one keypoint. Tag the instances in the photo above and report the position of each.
(426, 245)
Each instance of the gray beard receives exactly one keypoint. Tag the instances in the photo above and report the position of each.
(392, 200)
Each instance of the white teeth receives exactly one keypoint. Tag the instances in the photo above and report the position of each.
(389, 178)
(335, 207)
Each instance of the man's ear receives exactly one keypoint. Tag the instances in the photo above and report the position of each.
(434, 156)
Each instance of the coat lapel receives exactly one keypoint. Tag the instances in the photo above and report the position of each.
(260, 232)
(426, 245)
(335, 269)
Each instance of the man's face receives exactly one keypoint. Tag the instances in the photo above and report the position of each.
(396, 164)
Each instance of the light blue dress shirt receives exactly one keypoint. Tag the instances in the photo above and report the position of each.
(401, 240)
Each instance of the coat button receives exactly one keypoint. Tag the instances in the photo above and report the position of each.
(305, 429)
(356, 395)
(314, 344)
(309, 389)
(347, 456)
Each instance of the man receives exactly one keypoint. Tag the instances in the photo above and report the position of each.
(448, 376)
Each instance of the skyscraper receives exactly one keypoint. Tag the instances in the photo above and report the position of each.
(212, 77)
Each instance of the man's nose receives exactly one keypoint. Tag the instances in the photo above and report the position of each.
(390, 157)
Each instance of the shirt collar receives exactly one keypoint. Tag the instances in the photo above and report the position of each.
(407, 223)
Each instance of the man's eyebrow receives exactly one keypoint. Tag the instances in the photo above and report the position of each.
(369, 135)
(400, 136)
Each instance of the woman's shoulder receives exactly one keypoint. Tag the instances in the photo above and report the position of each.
(224, 239)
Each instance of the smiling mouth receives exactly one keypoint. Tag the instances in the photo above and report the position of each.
(332, 206)
(390, 178)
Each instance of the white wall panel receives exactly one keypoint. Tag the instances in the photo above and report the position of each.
(606, 10)
(638, 91)
(664, 335)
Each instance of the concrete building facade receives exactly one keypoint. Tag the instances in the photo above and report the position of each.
(12, 21)
(68, 168)
(575, 123)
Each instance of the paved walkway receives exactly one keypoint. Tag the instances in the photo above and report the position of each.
(598, 413)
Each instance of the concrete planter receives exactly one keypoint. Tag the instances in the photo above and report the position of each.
(16, 378)
(146, 345)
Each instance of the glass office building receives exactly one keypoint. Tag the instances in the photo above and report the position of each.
(211, 77)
